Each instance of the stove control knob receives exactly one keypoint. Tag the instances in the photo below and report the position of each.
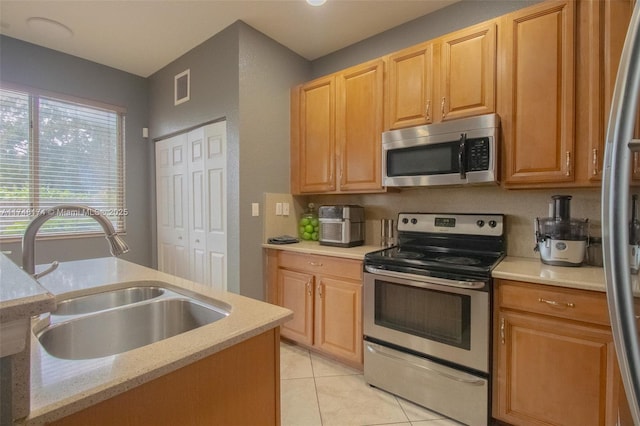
(480, 223)
(414, 221)
(405, 220)
(493, 223)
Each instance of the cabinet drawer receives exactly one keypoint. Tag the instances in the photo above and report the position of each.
(560, 302)
(326, 265)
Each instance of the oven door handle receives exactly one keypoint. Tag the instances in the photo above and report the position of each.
(424, 279)
(468, 379)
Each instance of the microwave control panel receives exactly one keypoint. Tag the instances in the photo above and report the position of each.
(477, 154)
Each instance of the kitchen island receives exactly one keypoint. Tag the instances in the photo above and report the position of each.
(225, 369)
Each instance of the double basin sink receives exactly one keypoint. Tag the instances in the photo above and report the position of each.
(116, 321)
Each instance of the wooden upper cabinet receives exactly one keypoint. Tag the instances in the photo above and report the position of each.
(359, 125)
(444, 79)
(537, 93)
(602, 28)
(317, 143)
(468, 72)
(410, 87)
(336, 132)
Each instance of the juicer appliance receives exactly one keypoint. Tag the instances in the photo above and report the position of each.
(561, 240)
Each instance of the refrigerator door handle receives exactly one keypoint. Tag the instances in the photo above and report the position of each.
(615, 214)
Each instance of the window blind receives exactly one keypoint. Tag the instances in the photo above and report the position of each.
(53, 152)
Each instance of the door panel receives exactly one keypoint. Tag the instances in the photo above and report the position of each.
(295, 292)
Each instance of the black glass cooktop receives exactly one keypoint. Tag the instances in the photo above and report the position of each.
(415, 260)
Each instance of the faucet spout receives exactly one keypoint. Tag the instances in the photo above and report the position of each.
(117, 245)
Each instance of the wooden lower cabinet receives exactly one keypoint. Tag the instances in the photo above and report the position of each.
(325, 295)
(554, 357)
(238, 386)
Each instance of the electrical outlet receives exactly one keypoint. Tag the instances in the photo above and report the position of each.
(285, 209)
(255, 209)
(278, 209)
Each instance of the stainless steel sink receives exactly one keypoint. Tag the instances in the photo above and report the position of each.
(128, 327)
(106, 300)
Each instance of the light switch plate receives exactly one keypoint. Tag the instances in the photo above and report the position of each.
(285, 209)
(255, 209)
(278, 209)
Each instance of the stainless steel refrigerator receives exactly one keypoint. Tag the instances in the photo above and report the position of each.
(620, 146)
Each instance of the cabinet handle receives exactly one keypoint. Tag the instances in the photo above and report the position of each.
(502, 331)
(442, 107)
(568, 173)
(595, 161)
(309, 287)
(635, 162)
(320, 290)
(428, 111)
(315, 263)
(554, 303)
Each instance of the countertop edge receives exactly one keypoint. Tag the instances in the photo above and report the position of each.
(355, 253)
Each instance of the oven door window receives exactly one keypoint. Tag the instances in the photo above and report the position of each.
(431, 314)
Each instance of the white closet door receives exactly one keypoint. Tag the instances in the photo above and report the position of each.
(172, 203)
(197, 206)
(215, 137)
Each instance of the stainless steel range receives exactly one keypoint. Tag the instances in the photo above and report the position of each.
(427, 312)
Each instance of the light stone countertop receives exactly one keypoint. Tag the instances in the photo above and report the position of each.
(512, 268)
(20, 295)
(534, 271)
(61, 387)
(312, 247)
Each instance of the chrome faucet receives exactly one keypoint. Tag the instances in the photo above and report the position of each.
(117, 245)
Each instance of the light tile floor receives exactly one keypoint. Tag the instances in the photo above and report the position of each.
(316, 391)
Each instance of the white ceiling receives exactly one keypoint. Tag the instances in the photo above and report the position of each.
(142, 36)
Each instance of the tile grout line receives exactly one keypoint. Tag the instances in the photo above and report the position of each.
(315, 386)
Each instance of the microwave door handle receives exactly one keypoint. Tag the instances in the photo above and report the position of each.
(462, 158)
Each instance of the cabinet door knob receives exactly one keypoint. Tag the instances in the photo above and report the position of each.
(568, 172)
(595, 162)
(442, 107)
(428, 111)
(502, 331)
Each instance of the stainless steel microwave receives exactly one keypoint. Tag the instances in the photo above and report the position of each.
(457, 152)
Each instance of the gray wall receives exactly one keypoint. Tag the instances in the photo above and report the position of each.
(244, 76)
(31, 65)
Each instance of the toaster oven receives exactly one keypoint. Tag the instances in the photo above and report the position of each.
(341, 225)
